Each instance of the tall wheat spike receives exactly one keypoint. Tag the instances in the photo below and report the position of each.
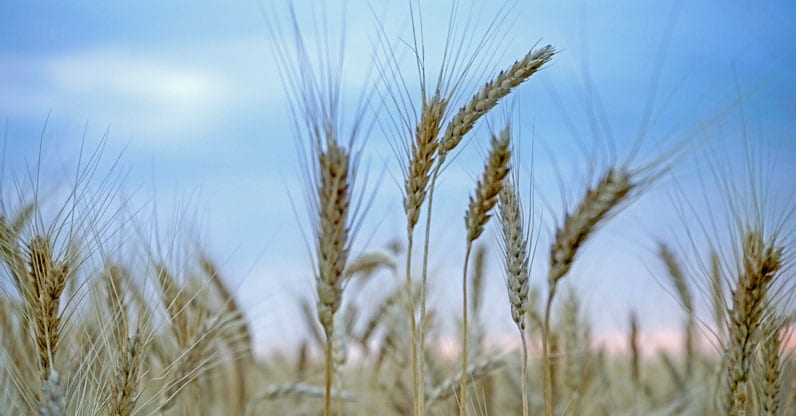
(514, 241)
(478, 213)
(760, 262)
(421, 159)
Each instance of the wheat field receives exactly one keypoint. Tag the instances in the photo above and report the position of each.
(102, 315)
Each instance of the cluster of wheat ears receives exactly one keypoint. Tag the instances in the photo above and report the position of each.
(88, 328)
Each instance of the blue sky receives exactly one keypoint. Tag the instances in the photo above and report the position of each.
(191, 93)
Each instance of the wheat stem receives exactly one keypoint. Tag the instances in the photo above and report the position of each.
(463, 381)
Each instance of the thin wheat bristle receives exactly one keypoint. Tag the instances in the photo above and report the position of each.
(596, 205)
(489, 186)
(489, 95)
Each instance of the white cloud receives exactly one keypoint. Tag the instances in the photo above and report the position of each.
(154, 97)
(156, 101)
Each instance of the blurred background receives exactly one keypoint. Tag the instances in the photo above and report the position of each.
(187, 96)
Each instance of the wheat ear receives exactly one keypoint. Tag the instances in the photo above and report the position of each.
(597, 204)
(514, 241)
(333, 239)
(678, 280)
(46, 281)
(240, 339)
(489, 95)
(772, 354)
(761, 262)
(476, 217)
(421, 159)
(124, 391)
(464, 120)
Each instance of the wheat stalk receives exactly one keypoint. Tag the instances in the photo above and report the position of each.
(576, 344)
(514, 241)
(421, 159)
(478, 213)
(461, 123)
(597, 204)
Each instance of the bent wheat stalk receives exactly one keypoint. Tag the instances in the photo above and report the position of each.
(597, 204)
